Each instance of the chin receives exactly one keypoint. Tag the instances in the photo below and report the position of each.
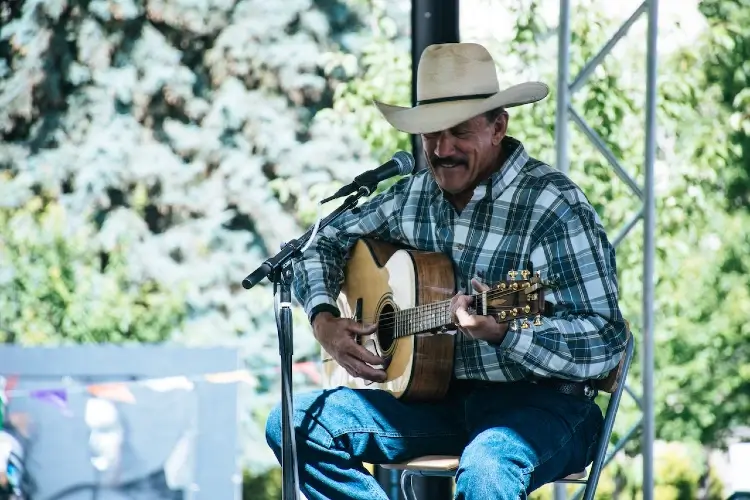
(453, 181)
(452, 187)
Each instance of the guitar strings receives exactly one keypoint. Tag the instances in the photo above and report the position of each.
(431, 312)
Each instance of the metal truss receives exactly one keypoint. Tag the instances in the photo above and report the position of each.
(645, 193)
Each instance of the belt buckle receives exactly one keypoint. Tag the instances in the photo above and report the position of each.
(589, 391)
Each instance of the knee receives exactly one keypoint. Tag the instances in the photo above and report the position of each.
(493, 465)
(319, 416)
(274, 423)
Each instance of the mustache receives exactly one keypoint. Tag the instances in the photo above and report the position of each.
(448, 160)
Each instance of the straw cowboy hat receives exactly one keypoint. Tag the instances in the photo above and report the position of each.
(455, 82)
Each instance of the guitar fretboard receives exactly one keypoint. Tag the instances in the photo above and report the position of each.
(427, 317)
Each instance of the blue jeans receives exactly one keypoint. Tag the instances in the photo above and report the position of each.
(512, 438)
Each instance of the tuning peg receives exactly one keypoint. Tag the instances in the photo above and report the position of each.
(525, 325)
(514, 325)
(512, 275)
(538, 320)
(525, 274)
(534, 296)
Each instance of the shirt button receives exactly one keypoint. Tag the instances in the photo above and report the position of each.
(460, 246)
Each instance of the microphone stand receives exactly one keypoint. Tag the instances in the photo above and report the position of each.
(279, 271)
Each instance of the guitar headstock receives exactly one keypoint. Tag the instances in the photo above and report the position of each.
(519, 298)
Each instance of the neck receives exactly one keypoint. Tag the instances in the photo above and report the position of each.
(430, 317)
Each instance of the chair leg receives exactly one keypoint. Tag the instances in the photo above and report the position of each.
(609, 422)
(409, 493)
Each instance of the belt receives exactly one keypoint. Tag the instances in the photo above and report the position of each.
(585, 389)
(582, 389)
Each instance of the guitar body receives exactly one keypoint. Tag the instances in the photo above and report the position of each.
(379, 280)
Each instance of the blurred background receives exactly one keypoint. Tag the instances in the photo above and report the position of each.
(154, 152)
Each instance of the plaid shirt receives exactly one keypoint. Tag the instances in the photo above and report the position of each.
(525, 216)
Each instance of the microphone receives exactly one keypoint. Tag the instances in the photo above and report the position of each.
(402, 163)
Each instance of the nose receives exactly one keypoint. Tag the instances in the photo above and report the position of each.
(444, 146)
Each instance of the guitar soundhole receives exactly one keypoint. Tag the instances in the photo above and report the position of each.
(386, 327)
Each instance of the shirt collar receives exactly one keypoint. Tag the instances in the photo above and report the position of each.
(516, 158)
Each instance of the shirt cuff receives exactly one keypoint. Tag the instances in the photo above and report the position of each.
(516, 343)
(319, 304)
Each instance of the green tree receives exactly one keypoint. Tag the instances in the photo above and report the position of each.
(155, 153)
(726, 64)
(58, 288)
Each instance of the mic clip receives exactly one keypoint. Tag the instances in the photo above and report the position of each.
(364, 189)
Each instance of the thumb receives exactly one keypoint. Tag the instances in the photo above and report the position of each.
(479, 286)
(362, 328)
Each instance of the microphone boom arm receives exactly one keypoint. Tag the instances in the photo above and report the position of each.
(279, 271)
(291, 248)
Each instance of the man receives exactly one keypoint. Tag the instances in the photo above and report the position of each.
(520, 412)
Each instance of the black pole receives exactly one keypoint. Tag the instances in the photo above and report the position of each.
(432, 21)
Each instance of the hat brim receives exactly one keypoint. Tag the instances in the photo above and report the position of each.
(434, 117)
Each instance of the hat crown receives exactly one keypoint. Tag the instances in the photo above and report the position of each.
(455, 69)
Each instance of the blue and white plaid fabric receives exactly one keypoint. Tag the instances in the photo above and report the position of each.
(526, 216)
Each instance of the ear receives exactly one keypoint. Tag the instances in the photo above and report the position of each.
(500, 128)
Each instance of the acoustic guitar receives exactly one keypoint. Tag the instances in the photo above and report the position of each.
(408, 293)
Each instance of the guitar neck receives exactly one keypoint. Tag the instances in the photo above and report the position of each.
(429, 317)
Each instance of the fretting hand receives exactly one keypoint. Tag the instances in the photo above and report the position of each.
(476, 326)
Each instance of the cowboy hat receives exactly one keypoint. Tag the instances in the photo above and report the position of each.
(456, 82)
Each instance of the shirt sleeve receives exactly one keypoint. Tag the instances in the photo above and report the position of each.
(586, 336)
(319, 272)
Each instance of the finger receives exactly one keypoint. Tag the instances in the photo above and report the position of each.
(362, 354)
(460, 300)
(362, 329)
(479, 286)
(458, 303)
(349, 347)
(461, 303)
(453, 305)
(357, 368)
(456, 297)
(465, 319)
(357, 350)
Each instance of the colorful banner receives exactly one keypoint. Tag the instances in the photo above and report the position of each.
(114, 391)
(120, 391)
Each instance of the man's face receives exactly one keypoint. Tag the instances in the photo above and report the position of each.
(462, 156)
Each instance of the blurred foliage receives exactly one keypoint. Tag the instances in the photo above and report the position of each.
(58, 288)
(681, 472)
(728, 67)
(265, 486)
(155, 153)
